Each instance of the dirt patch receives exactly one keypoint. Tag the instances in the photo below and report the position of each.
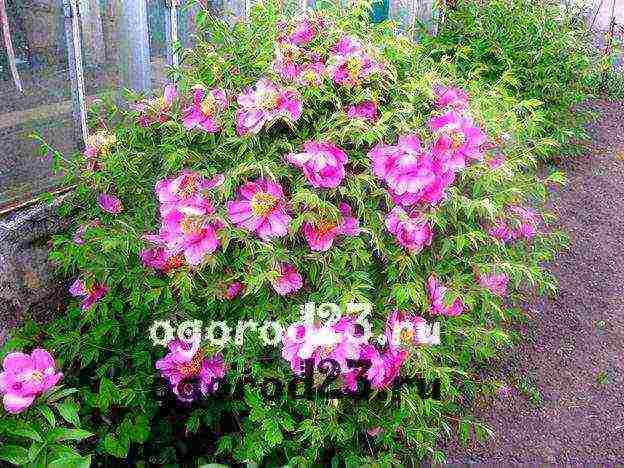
(572, 350)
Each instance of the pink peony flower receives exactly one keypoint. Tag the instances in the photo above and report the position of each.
(260, 208)
(350, 63)
(161, 259)
(413, 176)
(321, 236)
(406, 330)
(449, 96)
(189, 234)
(292, 341)
(496, 283)
(312, 74)
(412, 231)
(366, 110)
(213, 369)
(322, 163)
(458, 134)
(385, 367)
(494, 162)
(289, 60)
(432, 193)
(287, 69)
(185, 363)
(82, 230)
(156, 110)
(501, 231)
(304, 31)
(394, 164)
(233, 290)
(90, 294)
(304, 341)
(438, 306)
(373, 431)
(98, 144)
(449, 159)
(110, 203)
(187, 192)
(528, 221)
(288, 280)
(264, 104)
(24, 377)
(204, 113)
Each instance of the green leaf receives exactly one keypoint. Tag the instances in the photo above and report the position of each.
(192, 425)
(34, 451)
(141, 430)
(59, 395)
(71, 461)
(464, 432)
(273, 434)
(14, 454)
(24, 430)
(69, 411)
(48, 415)
(60, 434)
(115, 447)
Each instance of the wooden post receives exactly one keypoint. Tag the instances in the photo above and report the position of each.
(414, 16)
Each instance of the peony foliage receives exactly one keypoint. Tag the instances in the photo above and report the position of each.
(313, 159)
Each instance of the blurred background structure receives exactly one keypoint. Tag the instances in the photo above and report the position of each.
(123, 44)
(113, 57)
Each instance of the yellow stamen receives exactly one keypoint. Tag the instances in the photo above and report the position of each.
(174, 263)
(193, 367)
(191, 224)
(208, 105)
(188, 186)
(36, 376)
(354, 65)
(268, 99)
(457, 139)
(324, 227)
(309, 76)
(263, 203)
(407, 336)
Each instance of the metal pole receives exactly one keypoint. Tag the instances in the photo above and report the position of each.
(134, 51)
(8, 45)
(171, 30)
(76, 75)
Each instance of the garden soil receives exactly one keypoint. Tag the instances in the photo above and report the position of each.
(572, 350)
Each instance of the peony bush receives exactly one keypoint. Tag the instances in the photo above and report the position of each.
(497, 41)
(319, 173)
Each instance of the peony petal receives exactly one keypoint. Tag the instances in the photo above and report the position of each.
(15, 404)
(77, 289)
(16, 363)
(41, 359)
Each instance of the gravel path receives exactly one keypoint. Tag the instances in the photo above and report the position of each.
(574, 345)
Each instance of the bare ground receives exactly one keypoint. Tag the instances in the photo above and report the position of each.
(573, 348)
